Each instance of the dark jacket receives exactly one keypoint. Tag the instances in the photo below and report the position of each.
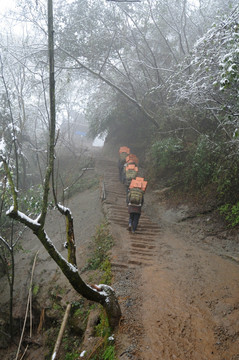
(134, 209)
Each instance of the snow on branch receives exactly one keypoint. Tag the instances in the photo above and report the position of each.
(64, 209)
(58, 255)
(23, 218)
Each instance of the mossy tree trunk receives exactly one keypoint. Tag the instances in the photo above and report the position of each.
(103, 294)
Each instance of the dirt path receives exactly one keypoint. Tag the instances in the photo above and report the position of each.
(178, 289)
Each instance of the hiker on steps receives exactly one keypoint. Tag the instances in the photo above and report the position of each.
(135, 200)
(124, 151)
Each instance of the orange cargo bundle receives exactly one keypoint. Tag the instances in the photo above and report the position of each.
(132, 158)
(131, 167)
(139, 183)
(144, 182)
(124, 149)
(135, 184)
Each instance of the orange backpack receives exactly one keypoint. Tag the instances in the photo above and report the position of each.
(124, 151)
(132, 159)
(140, 183)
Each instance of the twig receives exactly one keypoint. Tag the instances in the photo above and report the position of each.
(103, 191)
(61, 332)
(95, 349)
(41, 321)
(24, 353)
(28, 303)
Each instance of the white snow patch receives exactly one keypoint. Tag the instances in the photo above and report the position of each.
(2, 144)
(106, 291)
(10, 210)
(106, 287)
(107, 300)
(25, 217)
(72, 267)
(104, 294)
(63, 208)
(82, 354)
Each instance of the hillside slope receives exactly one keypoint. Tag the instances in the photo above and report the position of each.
(177, 280)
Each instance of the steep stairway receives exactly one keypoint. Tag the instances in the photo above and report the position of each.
(134, 249)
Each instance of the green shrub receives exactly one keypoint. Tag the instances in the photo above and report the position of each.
(230, 213)
(201, 163)
(102, 329)
(35, 290)
(103, 242)
(165, 153)
(105, 267)
(109, 353)
(31, 200)
(227, 179)
(71, 356)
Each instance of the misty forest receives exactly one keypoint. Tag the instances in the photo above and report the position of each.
(161, 77)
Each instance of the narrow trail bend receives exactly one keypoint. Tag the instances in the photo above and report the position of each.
(179, 299)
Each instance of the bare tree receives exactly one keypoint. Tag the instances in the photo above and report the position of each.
(102, 294)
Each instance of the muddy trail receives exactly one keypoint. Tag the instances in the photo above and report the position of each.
(178, 288)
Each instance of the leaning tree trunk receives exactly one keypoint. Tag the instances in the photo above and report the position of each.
(102, 294)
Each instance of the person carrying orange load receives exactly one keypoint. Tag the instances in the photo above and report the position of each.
(131, 172)
(135, 200)
(124, 151)
(130, 159)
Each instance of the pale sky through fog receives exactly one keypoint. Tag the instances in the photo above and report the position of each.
(6, 5)
(9, 4)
